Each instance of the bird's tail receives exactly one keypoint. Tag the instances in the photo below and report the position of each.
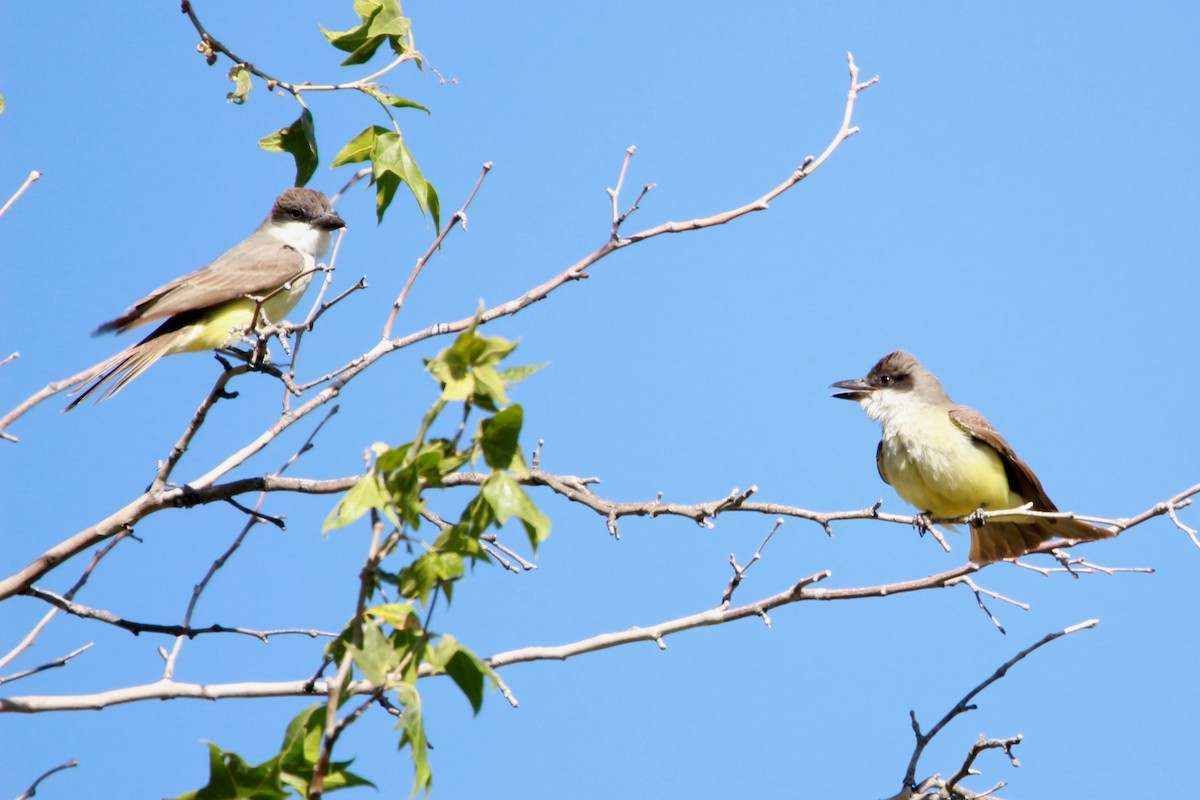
(119, 370)
(997, 539)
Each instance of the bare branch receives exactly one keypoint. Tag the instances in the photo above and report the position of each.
(29, 180)
(107, 617)
(31, 637)
(459, 216)
(209, 47)
(659, 631)
(571, 487)
(32, 790)
(979, 591)
(255, 517)
(58, 662)
(980, 745)
(739, 572)
(964, 705)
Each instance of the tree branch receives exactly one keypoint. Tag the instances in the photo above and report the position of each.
(963, 706)
(29, 180)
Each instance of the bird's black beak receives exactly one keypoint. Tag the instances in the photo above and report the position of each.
(329, 221)
(858, 387)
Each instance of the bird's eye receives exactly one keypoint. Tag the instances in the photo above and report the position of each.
(885, 379)
(294, 213)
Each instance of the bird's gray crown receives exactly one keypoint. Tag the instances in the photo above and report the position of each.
(298, 204)
(901, 371)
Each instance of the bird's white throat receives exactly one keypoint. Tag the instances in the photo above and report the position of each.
(301, 237)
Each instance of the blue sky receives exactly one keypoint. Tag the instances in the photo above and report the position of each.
(1018, 211)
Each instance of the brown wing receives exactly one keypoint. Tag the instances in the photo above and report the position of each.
(255, 266)
(1011, 539)
(1020, 477)
(879, 462)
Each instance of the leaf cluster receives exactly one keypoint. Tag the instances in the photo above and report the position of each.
(231, 778)
(391, 162)
(389, 643)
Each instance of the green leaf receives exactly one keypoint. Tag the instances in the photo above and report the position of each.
(478, 517)
(493, 349)
(466, 669)
(1, 104)
(301, 750)
(381, 21)
(241, 84)
(467, 367)
(499, 437)
(400, 102)
(401, 616)
(489, 385)
(359, 148)
(392, 459)
(418, 579)
(376, 658)
(231, 778)
(507, 499)
(365, 495)
(463, 539)
(393, 164)
(515, 374)
(302, 739)
(300, 140)
(412, 724)
(422, 467)
(391, 99)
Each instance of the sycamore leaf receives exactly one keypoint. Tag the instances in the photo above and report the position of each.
(401, 616)
(515, 374)
(391, 99)
(300, 140)
(418, 579)
(412, 724)
(301, 750)
(359, 148)
(466, 669)
(393, 164)
(499, 438)
(376, 658)
(381, 21)
(365, 495)
(507, 499)
(231, 778)
(241, 84)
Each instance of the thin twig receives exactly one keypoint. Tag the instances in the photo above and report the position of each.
(32, 790)
(964, 705)
(29, 180)
(459, 216)
(107, 617)
(61, 661)
(29, 638)
(739, 572)
(255, 517)
(210, 46)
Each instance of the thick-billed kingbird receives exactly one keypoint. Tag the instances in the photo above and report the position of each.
(948, 461)
(214, 306)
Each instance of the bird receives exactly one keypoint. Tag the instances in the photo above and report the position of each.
(211, 308)
(948, 461)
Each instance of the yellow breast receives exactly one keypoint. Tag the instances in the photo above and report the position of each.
(225, 324)
(937, 467)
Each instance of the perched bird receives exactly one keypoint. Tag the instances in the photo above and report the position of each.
(948, 461)
(212, 307)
